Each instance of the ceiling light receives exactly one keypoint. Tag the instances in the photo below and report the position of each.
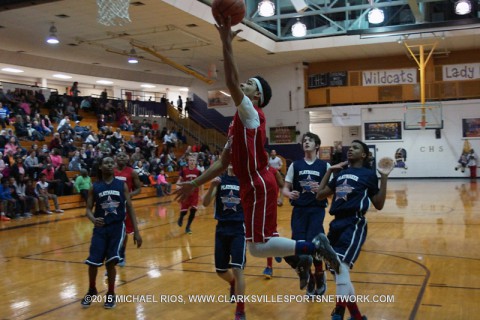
(104, 82)
(376, 16)
(52, 38)
(299, 29)
(61, 76)
(183, 89)
(12, 70)
(463, 7)
(132, 58)
(266, 8)
(147, 86)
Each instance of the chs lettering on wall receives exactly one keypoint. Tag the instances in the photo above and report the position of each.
(431, 149)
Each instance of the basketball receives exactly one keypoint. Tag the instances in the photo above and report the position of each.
(386, 164)
(229, 8)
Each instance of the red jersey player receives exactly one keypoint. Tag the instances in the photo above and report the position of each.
(258, 187)
(189, 174)
(130, 177)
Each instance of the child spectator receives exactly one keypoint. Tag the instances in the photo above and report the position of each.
(41, 189)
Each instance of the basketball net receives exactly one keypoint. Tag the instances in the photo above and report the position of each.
(113, 12)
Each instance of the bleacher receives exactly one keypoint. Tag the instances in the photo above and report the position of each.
(75, 200)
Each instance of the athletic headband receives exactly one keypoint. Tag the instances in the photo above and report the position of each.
(259, 87)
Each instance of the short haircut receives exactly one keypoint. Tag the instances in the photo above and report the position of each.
(313, 136)
(267, 92)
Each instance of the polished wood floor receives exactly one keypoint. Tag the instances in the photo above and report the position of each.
(422, 249)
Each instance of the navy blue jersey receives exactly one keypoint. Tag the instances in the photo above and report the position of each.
(353, 188)
(306, 176)
(227, 202)
(109, 201)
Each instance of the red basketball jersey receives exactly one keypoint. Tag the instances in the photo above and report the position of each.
(126, 176)
(258, 187)
(248, 155)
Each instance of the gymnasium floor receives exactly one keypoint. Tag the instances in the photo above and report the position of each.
(422, 252)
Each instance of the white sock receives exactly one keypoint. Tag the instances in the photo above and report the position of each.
(275, 247)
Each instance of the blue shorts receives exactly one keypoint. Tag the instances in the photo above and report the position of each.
(307, 222)
(106, 244)
(230, 245)
(347, 235)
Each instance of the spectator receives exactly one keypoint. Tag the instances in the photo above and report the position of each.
(4, 114)
(64, 184)
(163, 186)
(32, 166)
(9, 204)
(56, 158)
(83, 183)
(22, 208)
(41, 190)
(27, 201)
(49, 173)
(180, 105)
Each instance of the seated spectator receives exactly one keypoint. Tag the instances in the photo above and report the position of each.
(49, 173)
(9, 204)
(21, 129)
(86, 103)
(2, 165)
(11, 146)
(30, 192)
(9, 160)
(137, 156)
(41, 189)
(81, 132)
(83, 183)
(4, 114)
(126, 123)
(32, 166)
(56, 158)
(92, 139)
(56, 142)
(163, 186)
(47, 125)
(76, 163)
(18, 193)
(64, 185)
(68, 149)
(101, 123)
(142, 173)
(17, 168)
(71, 112)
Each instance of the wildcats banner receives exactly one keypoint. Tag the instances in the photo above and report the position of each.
(389, 77)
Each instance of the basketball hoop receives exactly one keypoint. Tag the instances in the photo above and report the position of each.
(113, 12)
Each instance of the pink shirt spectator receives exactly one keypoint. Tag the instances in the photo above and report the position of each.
(161, 179)
(26, 107)
(56, 160)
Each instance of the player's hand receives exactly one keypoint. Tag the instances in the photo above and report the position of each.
(294, 195)
(98, 222)
(385, 166)
(137, 239)
(184, 189)
(216, 181)
(224, 29)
